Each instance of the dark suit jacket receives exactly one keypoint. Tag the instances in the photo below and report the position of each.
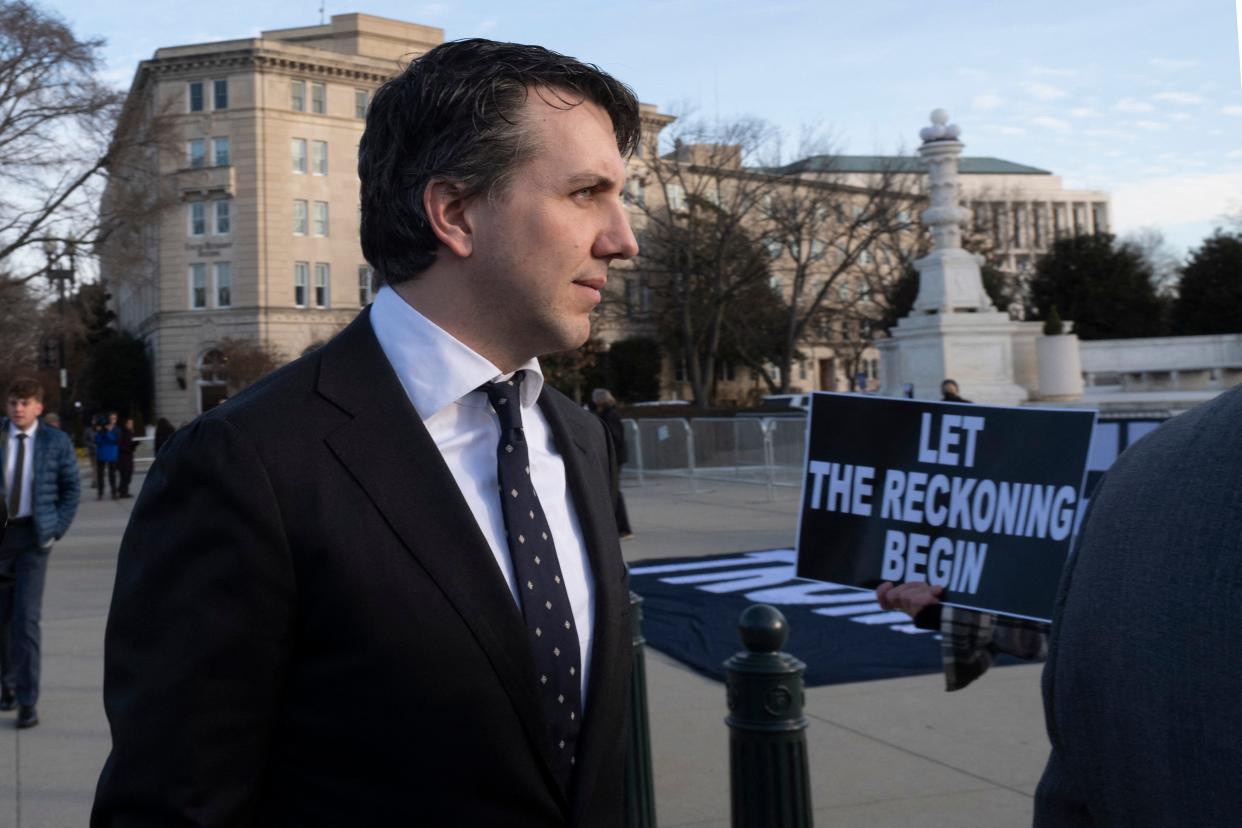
(308, 627)
(1143, 683)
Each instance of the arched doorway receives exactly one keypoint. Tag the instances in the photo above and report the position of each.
(213, 380)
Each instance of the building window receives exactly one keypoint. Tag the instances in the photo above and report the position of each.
(198, 218)
(725, 371)
(198, 286)
(319, 98)
(196, 152)
(1019, 225)
(365, 292)
(224, 285)
(195, 96)
(1080, 219)
(224, 222)
(220, 152)
(297, 95)
(298, 148)
(220, 93)
(321, 218)
(299, 217)
(680, 372)
(361, 99)
(321, 285)
(301, 271)
(1099, 218)
(1037, 227)
(319, 157)
(1058, 220)
(802, 369)
(676, 195)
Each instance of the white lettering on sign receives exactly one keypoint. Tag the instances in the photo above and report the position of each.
(952, 427)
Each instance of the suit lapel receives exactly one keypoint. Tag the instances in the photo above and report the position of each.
(610, 667)
(389, 452)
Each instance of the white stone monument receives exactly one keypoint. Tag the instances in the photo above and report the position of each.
(953, 331)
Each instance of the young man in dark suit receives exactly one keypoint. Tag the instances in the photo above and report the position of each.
(412, 607)
(41, 490)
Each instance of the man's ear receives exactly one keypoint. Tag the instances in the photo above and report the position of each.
(445, 206)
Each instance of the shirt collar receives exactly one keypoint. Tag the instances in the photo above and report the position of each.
(434, 367)
(30, 432)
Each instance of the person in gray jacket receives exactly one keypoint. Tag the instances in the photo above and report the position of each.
(1144, 667)
(41, 489)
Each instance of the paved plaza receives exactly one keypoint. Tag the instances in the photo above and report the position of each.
(900, 752)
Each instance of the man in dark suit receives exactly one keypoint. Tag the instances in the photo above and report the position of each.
(383, 586)
(41, 488)
(1144, 669)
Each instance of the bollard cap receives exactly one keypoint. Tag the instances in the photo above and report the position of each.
(763, 629)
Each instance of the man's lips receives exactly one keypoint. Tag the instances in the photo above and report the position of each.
(593, 282)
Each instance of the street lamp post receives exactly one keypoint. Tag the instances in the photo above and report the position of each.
(57, 276)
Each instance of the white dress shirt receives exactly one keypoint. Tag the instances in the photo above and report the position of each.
(441, 376)
(26, 505)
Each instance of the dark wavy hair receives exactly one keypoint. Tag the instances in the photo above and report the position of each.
(454, 113)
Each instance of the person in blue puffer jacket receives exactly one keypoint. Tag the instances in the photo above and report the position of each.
(107, 452)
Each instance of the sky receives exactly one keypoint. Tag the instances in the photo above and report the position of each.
(1140, 99)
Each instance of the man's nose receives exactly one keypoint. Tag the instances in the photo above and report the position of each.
(617, 239)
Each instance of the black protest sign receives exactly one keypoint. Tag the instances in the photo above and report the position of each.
(980, 500)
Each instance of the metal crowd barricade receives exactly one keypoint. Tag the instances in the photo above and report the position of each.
(729, 448)
(766, 451)
(665, 447)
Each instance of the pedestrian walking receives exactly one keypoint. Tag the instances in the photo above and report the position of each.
(41, 489)
(107, 450)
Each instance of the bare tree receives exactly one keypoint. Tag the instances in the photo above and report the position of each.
(828, 230)
(700, 248)
(63, 134)
(247, 360)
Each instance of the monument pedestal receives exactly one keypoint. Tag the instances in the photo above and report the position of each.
(975, 349)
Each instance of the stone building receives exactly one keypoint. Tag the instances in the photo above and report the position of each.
(1017, 211)
(260, 243)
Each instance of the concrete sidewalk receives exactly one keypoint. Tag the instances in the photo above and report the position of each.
(900, 752)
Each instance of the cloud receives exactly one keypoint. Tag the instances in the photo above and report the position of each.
(487, 24)
(1166, 200)
(1151, 126)
(1048, 122)
(1234, 153)
(1173, 64)
(1044, 91)
(1084, 112)
(1180, 116)
(1231, 110)
(1132, 105)
(1011, 130)
(988, 100)
(1185, 98)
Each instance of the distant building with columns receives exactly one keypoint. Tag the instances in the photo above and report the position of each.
(1019, 210)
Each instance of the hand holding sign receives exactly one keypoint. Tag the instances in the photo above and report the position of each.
(911, 597)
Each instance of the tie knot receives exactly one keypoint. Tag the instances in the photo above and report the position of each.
(506, 398)
(21, 435)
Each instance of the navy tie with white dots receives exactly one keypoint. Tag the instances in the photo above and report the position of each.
(545, 603)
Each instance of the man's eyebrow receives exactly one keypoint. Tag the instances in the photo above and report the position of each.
(590, 179)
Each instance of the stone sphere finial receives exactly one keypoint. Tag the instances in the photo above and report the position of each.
(763, 629)
(940, 129)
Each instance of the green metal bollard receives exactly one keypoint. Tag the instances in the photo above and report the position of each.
(639, 789)
(768, 772)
